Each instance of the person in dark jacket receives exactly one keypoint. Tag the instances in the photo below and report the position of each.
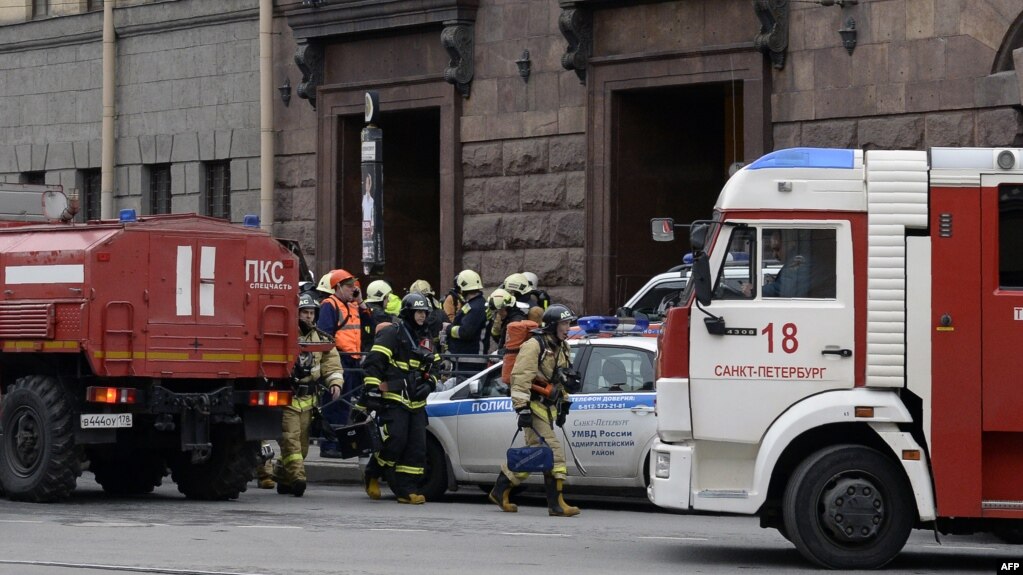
(437, 318)
(467, 334)
(397, 383)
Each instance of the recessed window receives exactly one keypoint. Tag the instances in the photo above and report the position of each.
(89, 201)
(218, 189)
(1010, 236)
(33, 178)
(40, 8)
(160, 189)
(93, 5)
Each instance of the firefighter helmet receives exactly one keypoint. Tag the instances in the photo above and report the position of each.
(423, 287)
(306, 301)
(468, 280)
(412, 303)
(517, 284)
(532, 279)
(324, 285)
(377, 291)
(555, 314)
(500, 299)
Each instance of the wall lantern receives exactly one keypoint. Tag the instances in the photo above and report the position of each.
(524, 65)
(848, 34)
(285, 90)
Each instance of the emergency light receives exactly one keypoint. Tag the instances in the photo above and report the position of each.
(594, 324)
(251, 221)
(128, 215)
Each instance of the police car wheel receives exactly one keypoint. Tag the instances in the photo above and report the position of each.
(848, 507)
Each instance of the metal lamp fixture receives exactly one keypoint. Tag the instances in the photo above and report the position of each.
(525, 66)
(285, 90)
(848, 33)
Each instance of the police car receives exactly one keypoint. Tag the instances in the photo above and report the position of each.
(611, 426)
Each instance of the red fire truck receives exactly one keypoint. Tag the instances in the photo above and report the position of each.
(136, 346)
(860, 376)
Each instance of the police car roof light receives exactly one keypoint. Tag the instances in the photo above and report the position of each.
(806, 158)
(594, 324)
(251, 221)
(128, 215)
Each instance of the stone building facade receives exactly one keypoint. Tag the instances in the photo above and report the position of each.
(630, 110)
(187, 99)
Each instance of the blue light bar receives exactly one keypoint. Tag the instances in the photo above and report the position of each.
(807, 158)
(128, 215)
(251, 221)
(594, 324)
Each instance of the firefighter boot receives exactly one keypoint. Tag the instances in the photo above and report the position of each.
(372, 485)
(412, 499)
(556, 505)
(501, 493)
(298, 488)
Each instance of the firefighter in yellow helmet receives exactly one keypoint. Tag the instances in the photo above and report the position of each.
(312, 368)
(539, 394)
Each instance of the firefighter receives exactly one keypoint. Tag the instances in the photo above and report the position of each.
(378, 296)
(453, 301)
(342, 316)
(467, 334)
(310, 369)
(398, 381)
(539, 394)
(434, 321)
(518, 285)
(537, 296)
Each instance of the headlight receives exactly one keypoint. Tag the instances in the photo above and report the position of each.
(662, 466)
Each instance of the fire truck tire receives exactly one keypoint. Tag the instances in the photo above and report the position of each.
(137, 474)
(38, 461)
(848, 507)
(224, 475)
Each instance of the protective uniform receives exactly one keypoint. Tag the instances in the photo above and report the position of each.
(536, 296)
(311, 369)
(541, 356)
(378, 296)
(453, 301)
(396, 387)
(518, 285)
(343, 321)
(467, 334)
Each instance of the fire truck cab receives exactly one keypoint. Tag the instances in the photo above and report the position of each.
(862, 380)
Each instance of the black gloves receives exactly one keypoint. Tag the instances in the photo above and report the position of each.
(371, 398)
(358, 415)
(303, 367)
(525, 418)
(563, 413)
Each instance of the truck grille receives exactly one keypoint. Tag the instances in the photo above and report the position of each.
(26, 320)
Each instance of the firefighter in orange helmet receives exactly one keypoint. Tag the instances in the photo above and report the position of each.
(342, 316)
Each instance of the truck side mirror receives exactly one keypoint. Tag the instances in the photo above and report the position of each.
(701, 278)
(698, 237)
(662, 229)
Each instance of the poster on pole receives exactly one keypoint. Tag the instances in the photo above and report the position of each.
(372, 202)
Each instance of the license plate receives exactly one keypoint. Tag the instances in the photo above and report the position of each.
(105, 420)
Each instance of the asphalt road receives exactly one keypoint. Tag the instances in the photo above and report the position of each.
(338, 530)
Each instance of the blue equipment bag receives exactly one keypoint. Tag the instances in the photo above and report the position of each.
(530, 459)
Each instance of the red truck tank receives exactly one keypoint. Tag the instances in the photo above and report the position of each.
(136, 346)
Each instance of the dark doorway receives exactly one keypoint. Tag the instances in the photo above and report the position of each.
(670, 157)
(411, 197)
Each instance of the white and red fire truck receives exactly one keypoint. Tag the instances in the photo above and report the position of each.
(863, 379)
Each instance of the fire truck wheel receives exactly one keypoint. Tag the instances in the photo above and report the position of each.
(848, 507)
(136, 473)
(38, 461)
(224, 475)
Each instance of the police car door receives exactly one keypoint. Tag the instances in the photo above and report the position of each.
(486, 423)
(612, 417)
(786, 335)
